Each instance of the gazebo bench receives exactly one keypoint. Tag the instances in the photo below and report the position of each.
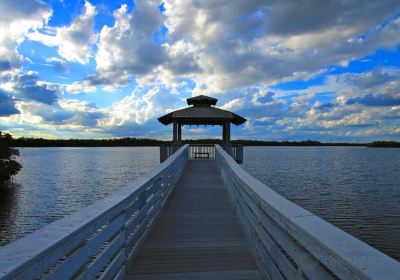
(202, 155)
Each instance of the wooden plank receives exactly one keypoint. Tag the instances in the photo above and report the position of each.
(197, 233)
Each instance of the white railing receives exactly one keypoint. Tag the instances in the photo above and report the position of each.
(97, 241)
(289, 242)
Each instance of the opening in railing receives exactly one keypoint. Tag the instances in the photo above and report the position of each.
(205, 151)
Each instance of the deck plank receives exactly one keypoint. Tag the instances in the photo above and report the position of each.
(197, 235)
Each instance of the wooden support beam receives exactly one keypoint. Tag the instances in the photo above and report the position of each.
(179, 132)
(175, 132)
(227, 132)
(223, 133)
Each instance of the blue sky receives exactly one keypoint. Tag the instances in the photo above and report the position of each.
(297, 70)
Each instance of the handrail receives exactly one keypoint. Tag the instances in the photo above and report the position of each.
(99, 240)
(290, 242)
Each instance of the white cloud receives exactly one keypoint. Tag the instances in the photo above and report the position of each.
(140, 107)
(74, 42)
(127, 47)
(80, 87)
(15, 22)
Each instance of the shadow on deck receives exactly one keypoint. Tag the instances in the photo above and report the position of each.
(197, 235)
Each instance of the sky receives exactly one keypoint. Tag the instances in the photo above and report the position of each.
(296, 70)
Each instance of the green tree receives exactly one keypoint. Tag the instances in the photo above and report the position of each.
(8, 165)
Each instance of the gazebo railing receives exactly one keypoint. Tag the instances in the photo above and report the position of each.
(167, 150)
(202, 151)
(235, 151)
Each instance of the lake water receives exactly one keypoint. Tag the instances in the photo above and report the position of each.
(355, 188)
(57, 181)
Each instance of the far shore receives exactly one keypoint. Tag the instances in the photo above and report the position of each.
(142, 142)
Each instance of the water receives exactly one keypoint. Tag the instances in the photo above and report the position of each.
(355, 188)
(55, 182)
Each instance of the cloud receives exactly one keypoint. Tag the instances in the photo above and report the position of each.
(264, 42)
(28, 86)
(141, 106)
(15, 23)
(60, 65)
(7, 105)
(127, 47)
(74, 42)
(71, 112)
(80, 87)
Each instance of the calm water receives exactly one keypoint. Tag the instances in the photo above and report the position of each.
(355, 188)
(57, 181)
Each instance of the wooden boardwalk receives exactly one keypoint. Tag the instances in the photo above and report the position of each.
(197, 235)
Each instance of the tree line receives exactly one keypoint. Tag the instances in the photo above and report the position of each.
(131, 141)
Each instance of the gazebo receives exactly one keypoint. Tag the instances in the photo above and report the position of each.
(201, 111)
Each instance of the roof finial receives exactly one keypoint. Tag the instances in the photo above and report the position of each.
(202, 100)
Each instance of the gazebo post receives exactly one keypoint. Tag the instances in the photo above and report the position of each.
(175, 132)
(179, 132)
(223, 133)
(227, 133)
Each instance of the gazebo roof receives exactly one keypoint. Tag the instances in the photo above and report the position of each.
(201, 112)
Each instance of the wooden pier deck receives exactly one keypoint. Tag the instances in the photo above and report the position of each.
(197, 235)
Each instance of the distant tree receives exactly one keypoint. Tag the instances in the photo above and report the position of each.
(8, 165)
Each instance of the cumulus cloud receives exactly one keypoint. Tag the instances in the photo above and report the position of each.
(227, 45)
(72, 114)
(142, 105)
(74, 42)
(224, 46)
(28, 86)
(15, 23)
(127, 47)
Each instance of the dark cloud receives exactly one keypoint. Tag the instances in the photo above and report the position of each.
(4, 65)
(306, 16)
(372, 79)
(326, 107)
(375, 100)
(27, 86)
(7, 105)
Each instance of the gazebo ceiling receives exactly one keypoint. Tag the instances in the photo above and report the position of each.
(201, 112)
